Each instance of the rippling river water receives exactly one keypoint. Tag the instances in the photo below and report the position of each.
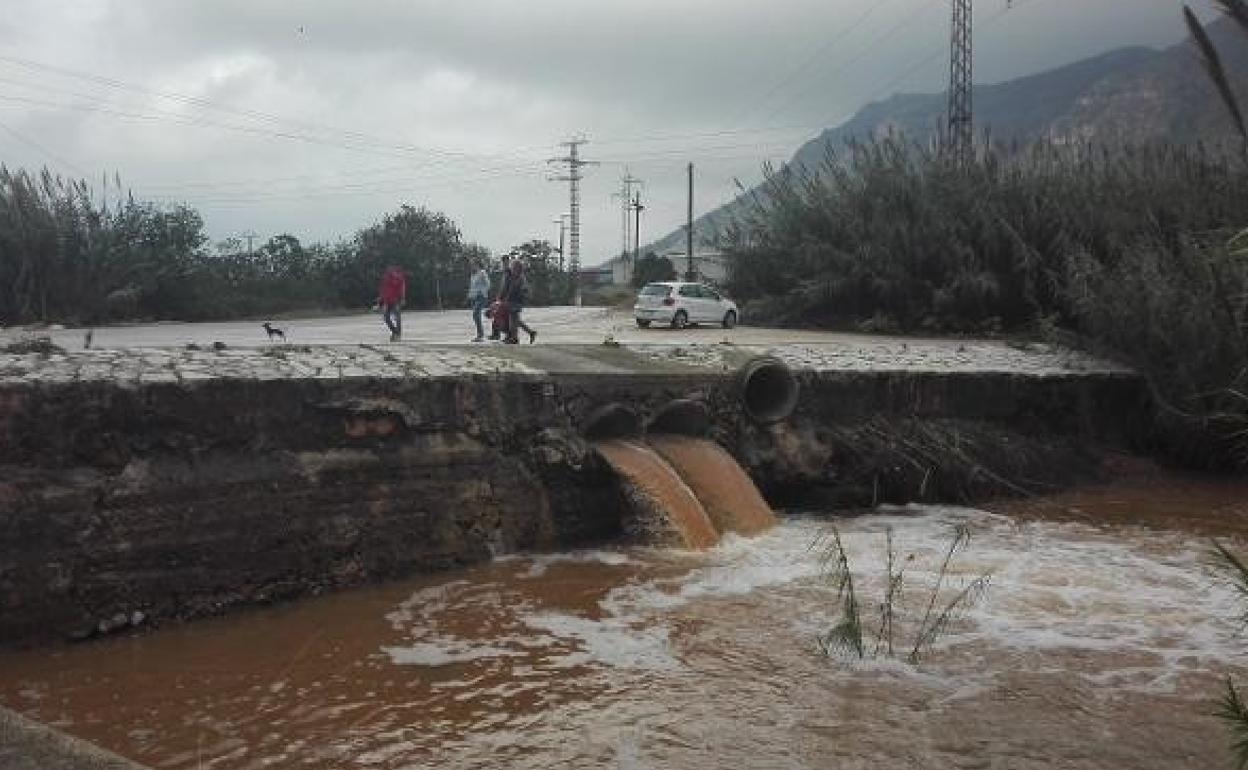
(1101, 643)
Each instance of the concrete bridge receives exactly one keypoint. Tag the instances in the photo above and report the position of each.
(150, 483)
(155, 482)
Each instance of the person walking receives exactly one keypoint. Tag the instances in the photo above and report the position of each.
(498, 311)
(517, 296)
(479, 297)
(390, 297)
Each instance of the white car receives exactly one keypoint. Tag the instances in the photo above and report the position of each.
(680, 304)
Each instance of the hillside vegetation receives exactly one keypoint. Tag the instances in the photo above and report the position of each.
(1126, 96)
(1130, 249)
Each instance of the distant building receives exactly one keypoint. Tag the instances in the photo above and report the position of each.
(603, 275)
(710, 266)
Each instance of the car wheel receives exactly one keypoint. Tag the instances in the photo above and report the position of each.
(680, 320)
(643, 323)
(730, 319)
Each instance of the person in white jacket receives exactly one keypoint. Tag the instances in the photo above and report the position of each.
(479, 297)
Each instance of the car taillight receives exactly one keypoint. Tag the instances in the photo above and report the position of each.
(669, 301)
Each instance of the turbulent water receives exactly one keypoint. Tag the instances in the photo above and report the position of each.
(1099, 644)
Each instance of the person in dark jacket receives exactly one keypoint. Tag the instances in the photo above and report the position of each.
(517, 297)
(390, 296)
(499, 314)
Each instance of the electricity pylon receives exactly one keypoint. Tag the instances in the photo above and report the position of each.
(961, 131)
(574, 163)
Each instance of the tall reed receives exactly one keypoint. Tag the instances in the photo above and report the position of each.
(849, 634)
(1122, 249)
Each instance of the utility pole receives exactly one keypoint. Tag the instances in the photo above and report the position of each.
(573, 177)
(961, 116)
(626, 204)
(562, 222)
(637, 209)
(690, 273)
(250, 236)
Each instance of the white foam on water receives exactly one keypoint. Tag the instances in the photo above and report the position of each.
(1144, 600)
(444, 652)
(1055, 587)
(538, 565)
(614, 642)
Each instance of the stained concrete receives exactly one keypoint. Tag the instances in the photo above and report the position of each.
(29, 745)
(140, 485)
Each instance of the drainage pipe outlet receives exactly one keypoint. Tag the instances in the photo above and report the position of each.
(612, 421)
(768, 389)
(684, 417)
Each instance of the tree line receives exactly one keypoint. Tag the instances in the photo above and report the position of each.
(64, 257)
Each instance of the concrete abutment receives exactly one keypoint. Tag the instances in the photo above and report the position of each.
(125, 504)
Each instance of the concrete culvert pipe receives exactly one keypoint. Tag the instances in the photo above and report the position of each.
(612, 421)
(684, 417)
(768, 389)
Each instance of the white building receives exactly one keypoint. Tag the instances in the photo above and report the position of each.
(710, 266)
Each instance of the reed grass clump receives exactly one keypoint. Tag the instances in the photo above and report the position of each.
(1130, 251)
(1231, 708)
(872, 638)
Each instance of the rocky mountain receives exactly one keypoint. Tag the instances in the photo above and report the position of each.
(1127, 95)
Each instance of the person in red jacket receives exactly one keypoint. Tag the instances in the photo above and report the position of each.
(390, 296)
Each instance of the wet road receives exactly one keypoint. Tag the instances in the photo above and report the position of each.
(564, 325)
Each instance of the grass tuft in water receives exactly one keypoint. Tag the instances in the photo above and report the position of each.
(1232, 711)
(848, 635)
(1231, 708)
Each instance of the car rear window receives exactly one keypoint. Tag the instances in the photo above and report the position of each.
(655, 290)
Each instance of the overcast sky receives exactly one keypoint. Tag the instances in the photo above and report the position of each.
(317, 117)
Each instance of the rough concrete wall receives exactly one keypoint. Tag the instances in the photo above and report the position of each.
(121, 505)
(27, 745)
(861, 438)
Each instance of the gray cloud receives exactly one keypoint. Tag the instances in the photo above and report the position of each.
(354, 96)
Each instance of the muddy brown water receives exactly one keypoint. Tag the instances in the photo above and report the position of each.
(1101, 643)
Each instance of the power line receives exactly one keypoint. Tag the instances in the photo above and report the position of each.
(255, 115)
(937, 53)
(871, 46)
(809, 60)
(56, 159)
(388, 187)
(101, 107)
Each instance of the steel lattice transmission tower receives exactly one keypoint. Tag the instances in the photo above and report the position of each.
(961, 136)
(574, 163)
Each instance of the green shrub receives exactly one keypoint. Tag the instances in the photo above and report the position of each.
(1124, 248)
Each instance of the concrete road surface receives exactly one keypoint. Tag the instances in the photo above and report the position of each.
(562, 325)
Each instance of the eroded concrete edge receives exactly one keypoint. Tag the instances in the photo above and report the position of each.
(29, 745)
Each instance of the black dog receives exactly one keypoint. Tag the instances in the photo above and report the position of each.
(274, 331)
